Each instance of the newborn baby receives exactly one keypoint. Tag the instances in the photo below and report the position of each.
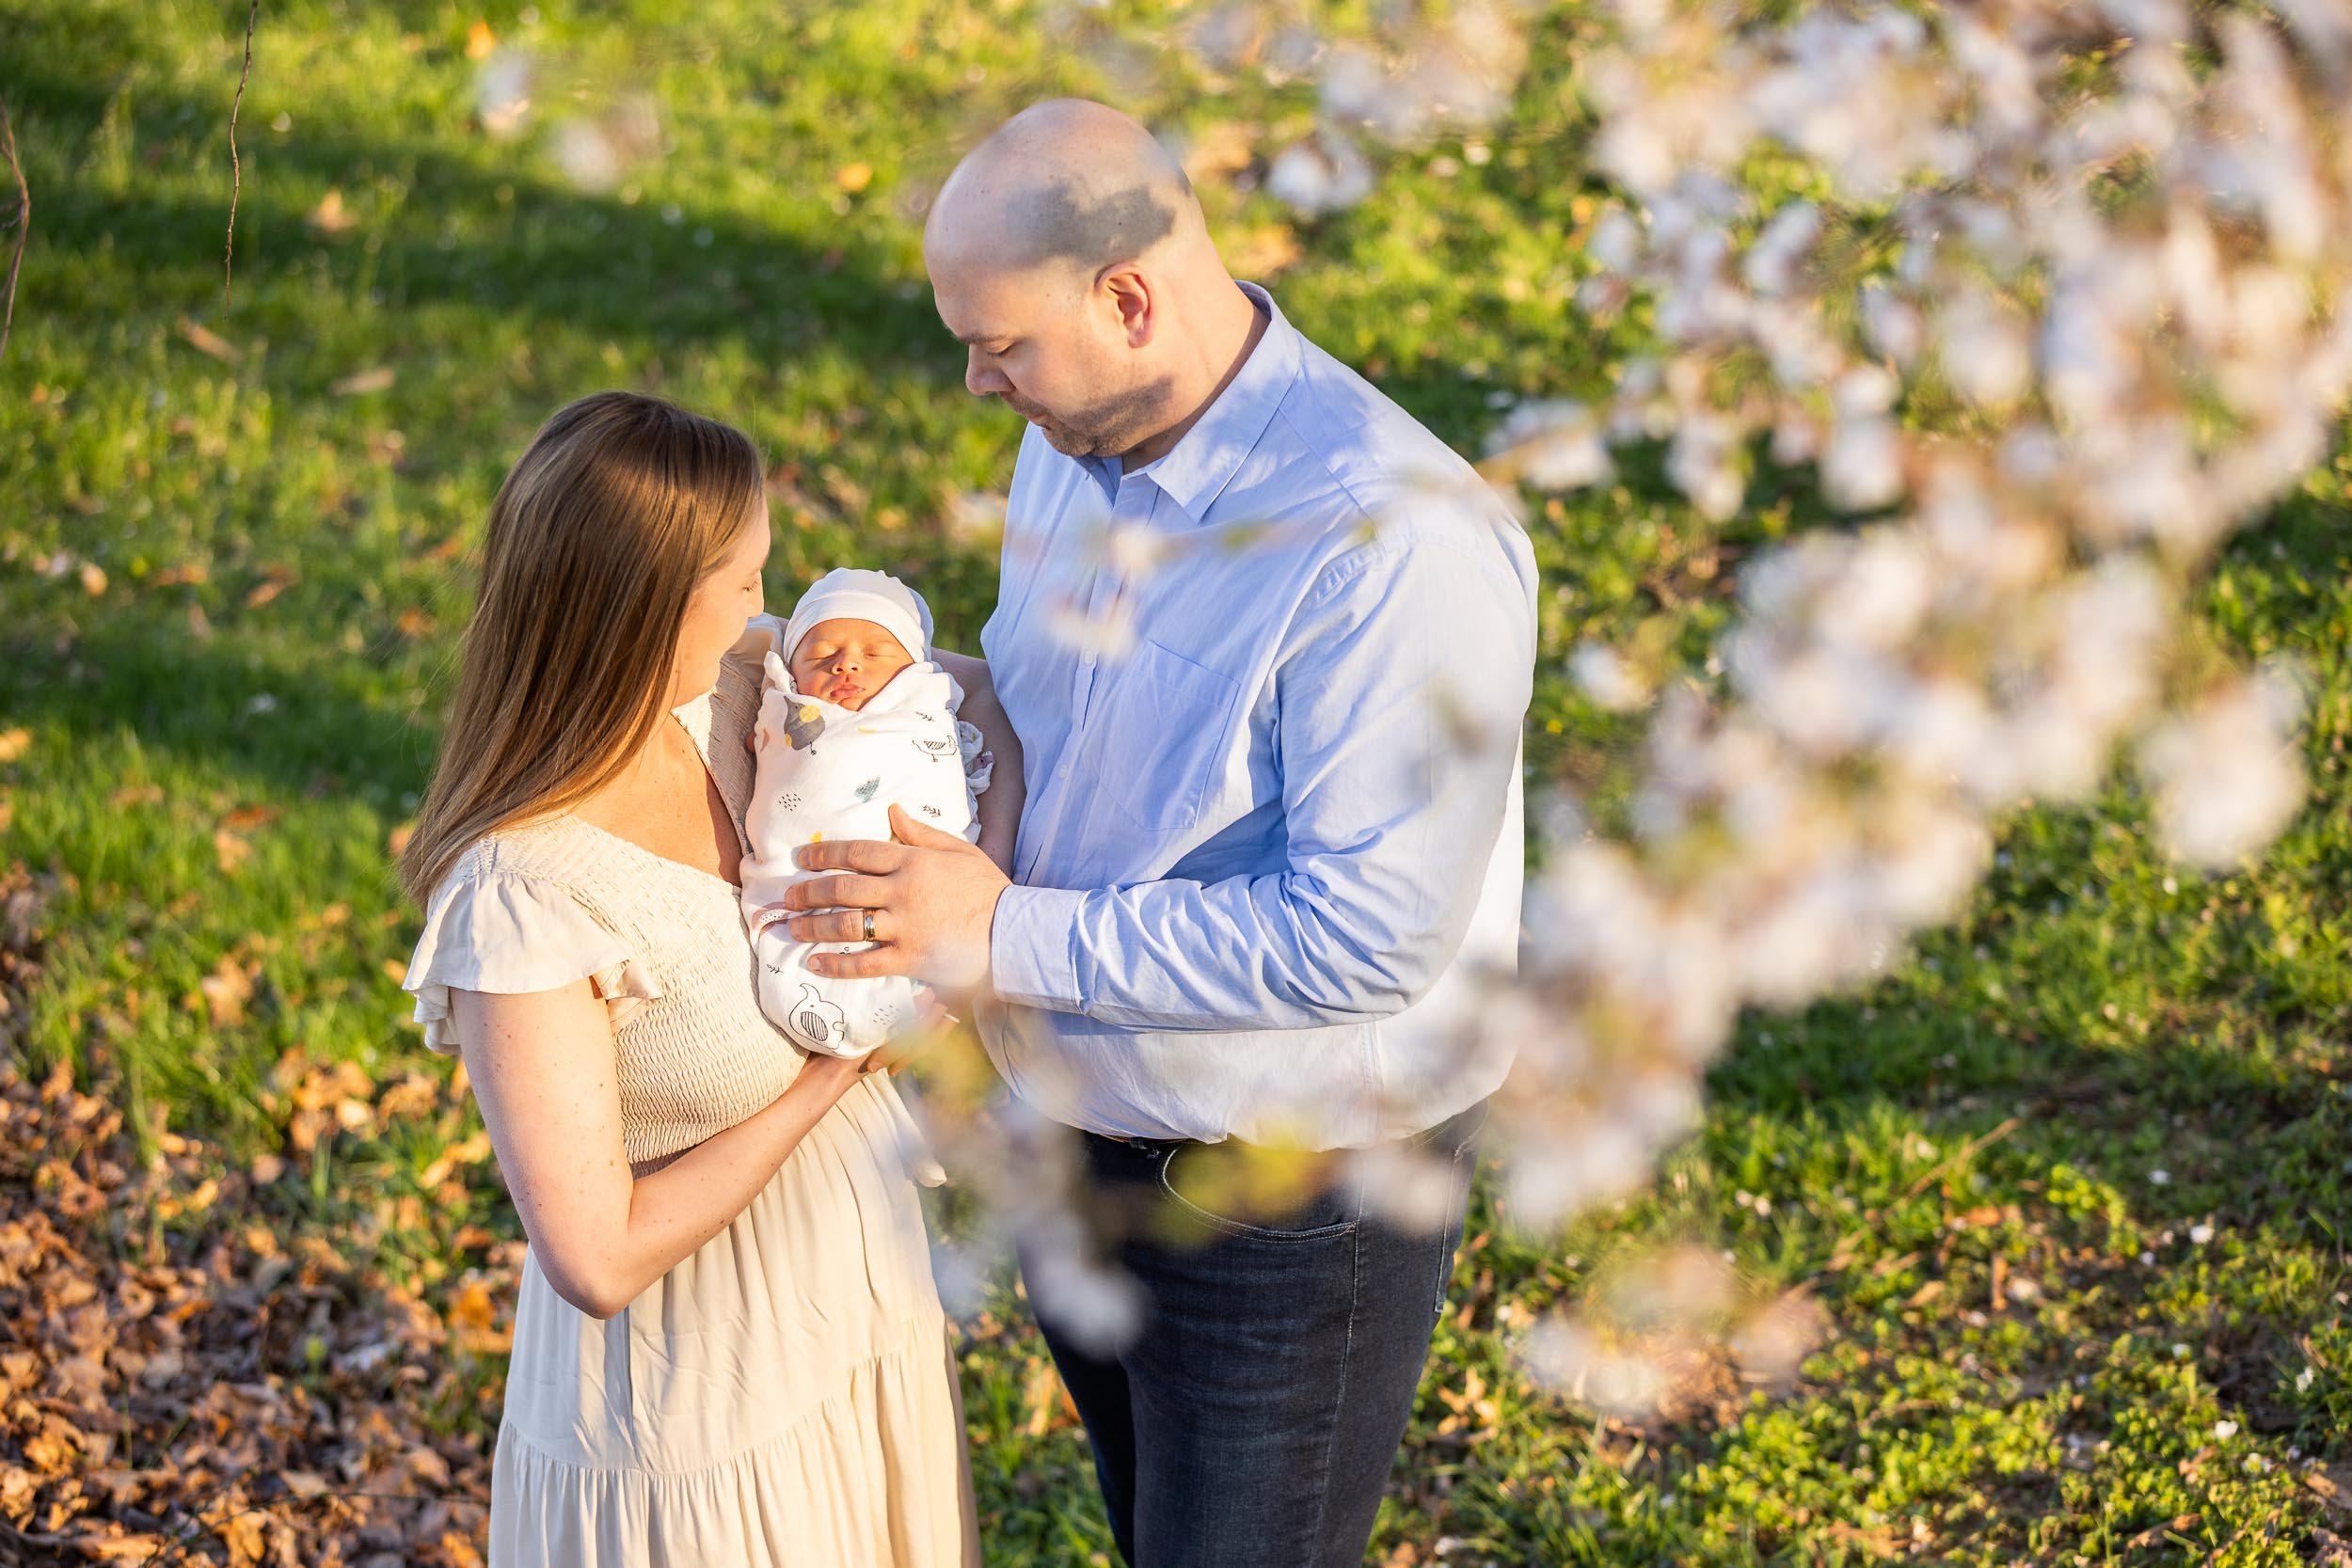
(853, 718)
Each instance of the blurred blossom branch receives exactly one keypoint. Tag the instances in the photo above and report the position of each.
(596, 151)
(2061, 340)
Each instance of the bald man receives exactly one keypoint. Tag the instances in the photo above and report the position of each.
(1272, 841)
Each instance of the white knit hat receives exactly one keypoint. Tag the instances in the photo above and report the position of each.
(851, 594)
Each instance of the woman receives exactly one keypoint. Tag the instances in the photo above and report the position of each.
(728, 1348)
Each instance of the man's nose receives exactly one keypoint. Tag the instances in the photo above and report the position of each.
(982, 379)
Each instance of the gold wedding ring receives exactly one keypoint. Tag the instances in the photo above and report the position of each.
(869, 925)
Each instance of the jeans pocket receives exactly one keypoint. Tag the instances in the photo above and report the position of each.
(1335, 1209)
(1454, 1135)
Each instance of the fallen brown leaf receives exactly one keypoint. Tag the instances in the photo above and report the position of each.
(205, 340)
(230, 851)
(330, 217)
(1266, 251)
(375, 378)
(227, 990)
(1218, 150)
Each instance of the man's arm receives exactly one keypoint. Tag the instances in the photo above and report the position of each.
(1007, 788)
(1400, 693)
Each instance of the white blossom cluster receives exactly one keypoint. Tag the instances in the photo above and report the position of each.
(1393, 87)
(2055, 292)
(1672, 1329)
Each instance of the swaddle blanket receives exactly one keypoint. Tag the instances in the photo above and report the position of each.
(828, 772)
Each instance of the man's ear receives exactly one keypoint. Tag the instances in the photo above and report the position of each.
(1131, 296)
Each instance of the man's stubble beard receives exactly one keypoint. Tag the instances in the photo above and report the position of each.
(1112, 425)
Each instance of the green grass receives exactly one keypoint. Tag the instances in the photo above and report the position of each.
(284, 575)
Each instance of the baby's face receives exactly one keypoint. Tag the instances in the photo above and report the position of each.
(844, 662)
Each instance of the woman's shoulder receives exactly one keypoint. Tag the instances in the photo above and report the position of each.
(555, 854)
(511, 915)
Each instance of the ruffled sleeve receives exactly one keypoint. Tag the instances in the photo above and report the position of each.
(509, 933)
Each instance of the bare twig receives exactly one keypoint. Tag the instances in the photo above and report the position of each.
(1973, 1145)
(236, 169)
(23, 227)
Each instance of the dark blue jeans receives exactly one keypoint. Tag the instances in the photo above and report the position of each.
(1253, 1420)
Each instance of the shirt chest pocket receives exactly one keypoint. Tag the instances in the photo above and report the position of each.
(1159, 732)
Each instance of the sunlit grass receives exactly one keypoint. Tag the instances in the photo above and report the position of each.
(229, 593)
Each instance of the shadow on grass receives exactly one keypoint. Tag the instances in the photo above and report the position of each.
(554, 253)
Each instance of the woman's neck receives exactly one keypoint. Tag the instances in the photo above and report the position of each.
(666, 767)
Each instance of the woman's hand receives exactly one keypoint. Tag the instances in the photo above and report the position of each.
(827, 1078)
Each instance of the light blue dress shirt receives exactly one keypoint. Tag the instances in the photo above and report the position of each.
(1272, 852)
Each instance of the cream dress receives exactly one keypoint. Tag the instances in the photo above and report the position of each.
(786, 1397)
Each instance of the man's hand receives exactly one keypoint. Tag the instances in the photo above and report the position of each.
(933, 898)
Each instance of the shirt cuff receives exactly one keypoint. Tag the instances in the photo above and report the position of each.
(1033, 949)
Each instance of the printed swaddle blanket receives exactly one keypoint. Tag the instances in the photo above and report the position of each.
(826, 772)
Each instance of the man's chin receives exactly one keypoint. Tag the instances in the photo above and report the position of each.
(1065, 441)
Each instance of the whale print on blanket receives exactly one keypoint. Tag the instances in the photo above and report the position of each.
(814, 1021)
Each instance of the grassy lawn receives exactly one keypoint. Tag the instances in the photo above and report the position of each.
(2068, 1186)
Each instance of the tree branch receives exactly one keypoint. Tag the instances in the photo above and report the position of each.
(23, 227)
(236, 169)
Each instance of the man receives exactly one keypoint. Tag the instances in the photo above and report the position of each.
(1272, 842)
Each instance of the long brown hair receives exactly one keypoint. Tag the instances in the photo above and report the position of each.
(619, 507)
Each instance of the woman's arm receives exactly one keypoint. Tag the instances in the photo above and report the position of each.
(1001, 802)
(542, 1069)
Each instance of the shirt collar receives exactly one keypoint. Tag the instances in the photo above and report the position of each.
(1195, 471)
